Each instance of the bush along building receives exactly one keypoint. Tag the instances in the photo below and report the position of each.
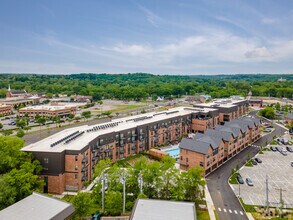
(69, 157)
(211, 149)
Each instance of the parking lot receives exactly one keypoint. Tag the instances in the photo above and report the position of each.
(280, 175)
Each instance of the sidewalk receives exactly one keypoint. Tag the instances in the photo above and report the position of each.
(210, 204)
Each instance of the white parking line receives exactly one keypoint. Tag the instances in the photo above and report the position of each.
(219, 209)
(235, 212)
(241, 213)
(225, 210)
(230, 211)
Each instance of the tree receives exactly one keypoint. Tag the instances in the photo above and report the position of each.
(267, 112)
(86, 114)
(193, 184)
(1, 126)
(101, 166)
(10, 154)
(114, 203)
(81, 203)
(20, 133)
(278, 106)
(71, 116)
(21, 123)
(25, 179)
(41, 121)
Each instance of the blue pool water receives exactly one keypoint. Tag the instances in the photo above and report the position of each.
(174, 152)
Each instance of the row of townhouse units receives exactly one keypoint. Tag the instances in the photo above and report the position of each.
(211, 149)
(5, 110)
(69, 157)
(229, 109)
(47, 111)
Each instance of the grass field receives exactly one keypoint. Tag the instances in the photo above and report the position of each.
(202, 214)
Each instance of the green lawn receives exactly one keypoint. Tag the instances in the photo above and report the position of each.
(249, 164)
(274, 142)
(233, 179)
(202, 214)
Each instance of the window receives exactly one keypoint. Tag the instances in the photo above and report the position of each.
(76, 176)
(76, 158)
(181, 158)
(186, 159)
(46, 160)
(76, 167)
(186, 151)
(201, 164)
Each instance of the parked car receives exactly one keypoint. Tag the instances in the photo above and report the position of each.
(249, 182)
(267, 130)
(284, 141)
(289, 149)
(239, 179)
(284, 152)
(273, 148)
(291, 164)
(253, 162)
(258, 160)
(270, 126)
(279, 149)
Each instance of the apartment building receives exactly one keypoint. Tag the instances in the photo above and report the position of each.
(69, 157)
(5, 110)
(211, 149)
(229, 109)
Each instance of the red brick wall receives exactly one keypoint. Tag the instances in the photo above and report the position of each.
(56, 184)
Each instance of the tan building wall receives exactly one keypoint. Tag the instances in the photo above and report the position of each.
(5, 110)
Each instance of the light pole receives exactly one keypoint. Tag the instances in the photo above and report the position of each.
(140, 183)
(104, 179)
(123, 180)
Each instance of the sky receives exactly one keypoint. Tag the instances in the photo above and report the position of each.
(186, 37)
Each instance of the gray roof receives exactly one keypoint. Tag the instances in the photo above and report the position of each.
(289, 116)
(150, 209)
(225, 135)
(194, 145)
(212, 137)
(38, 206)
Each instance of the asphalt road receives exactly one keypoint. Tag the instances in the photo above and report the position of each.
(226, 204)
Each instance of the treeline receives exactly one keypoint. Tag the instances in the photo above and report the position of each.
(140, 86)
(18, 172)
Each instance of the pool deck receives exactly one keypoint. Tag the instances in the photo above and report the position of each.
(170, 147)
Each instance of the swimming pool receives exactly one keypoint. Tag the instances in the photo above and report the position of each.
(174, 152)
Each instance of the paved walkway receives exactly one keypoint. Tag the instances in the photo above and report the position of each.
(210, 204)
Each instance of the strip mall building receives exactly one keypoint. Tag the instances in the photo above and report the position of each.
(69, 157)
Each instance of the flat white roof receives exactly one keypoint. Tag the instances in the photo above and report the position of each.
(122, 124)
(46, 107)
(161, 209)
(38, 206)
(224, 103)
(4, 105)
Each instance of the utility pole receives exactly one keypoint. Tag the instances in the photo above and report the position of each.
(267, 195)
(281, 201)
